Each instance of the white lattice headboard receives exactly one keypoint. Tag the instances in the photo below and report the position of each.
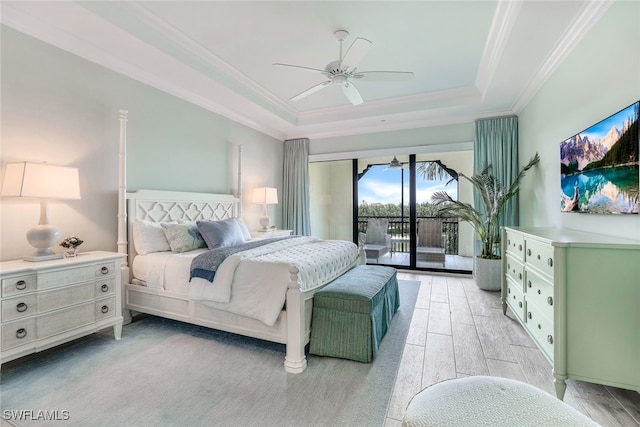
(166, 206)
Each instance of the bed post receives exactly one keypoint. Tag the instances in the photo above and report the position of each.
(295, 360)
(239, 195)
(122, 212)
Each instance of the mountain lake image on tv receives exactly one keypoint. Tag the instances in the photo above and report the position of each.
(599, 168)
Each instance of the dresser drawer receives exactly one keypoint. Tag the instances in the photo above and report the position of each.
(18, 333)
(540, 292)
(515, 271)
(105, 308)
(51, 279)
(105, 269)
(540, 255)
(18, 285)
(65, 320)
(515, 299)
(515, 245)
(105, 287)
(64, 297)
(21, 306)
(541, 328)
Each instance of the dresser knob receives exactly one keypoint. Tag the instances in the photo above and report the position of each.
(22, 307)
(529, 252)
(104, 288)
(508, 242)
(529, 315)
(104, 270)
(508, 290)
(105, 309)
(529, 283)
(550, 300)
(549, 339)
(21, 333)
(519, 247)
(21, 284)
(520, 276)
(520, 304)
(538, 256)
(550, 262)
(539, 326)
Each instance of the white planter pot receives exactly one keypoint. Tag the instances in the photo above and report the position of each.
(487, 273)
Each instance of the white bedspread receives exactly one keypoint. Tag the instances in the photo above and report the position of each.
(254, 283)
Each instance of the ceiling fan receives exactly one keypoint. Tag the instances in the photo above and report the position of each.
(344, 70)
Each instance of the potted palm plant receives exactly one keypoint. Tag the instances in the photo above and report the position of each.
(484, 219)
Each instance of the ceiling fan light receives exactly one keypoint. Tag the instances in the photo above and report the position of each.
(395, 163)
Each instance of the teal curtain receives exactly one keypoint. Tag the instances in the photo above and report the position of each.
(496, 144)
(295, 187)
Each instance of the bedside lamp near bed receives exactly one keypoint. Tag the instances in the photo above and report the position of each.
(266, 196)
(45, 182)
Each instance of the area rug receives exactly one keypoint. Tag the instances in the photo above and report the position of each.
(168, 373)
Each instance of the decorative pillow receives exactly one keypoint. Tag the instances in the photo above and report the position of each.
(148, 237)
(245, 230)
(183, 237)
(219, 234)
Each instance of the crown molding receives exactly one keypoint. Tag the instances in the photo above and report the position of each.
(503, 22)
(199, 53)
(420, 149)
(589, 15)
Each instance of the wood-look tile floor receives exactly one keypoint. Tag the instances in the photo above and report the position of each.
(458, 330)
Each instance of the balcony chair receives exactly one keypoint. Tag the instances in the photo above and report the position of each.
(377, 242)
(430, 245)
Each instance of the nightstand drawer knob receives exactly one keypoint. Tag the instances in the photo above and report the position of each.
(22, 307)
(550, 300)
(529, 252)
(550, 262)
(104, 288)
(21, 285)
(549, 339)
(105, 309)
(529, 283)
(21, 333)
(520, 304)
(529, 315)
(104, 270)
(519, 247)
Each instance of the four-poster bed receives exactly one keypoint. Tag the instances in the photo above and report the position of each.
(292, 269)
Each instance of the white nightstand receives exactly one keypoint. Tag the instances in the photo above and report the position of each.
(257, 235)
(51, 302)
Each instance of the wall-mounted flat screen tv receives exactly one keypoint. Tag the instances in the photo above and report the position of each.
(599, 169)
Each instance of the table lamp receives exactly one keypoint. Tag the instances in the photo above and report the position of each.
(45, 182)
(266, 196)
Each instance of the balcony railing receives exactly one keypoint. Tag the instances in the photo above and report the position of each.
(399, 231)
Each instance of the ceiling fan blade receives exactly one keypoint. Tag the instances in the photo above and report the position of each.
(277, 64)
(352, 94)
(311, 90)
(355, 54)
(383, 76)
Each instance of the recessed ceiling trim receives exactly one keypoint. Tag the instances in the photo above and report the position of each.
(589, 15)
(412, 120)
(456, 96)
(503, 21)
(43, 30)
(198, 51)
(420, 149)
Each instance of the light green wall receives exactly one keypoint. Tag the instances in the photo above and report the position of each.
(600, 77)
(59, 108)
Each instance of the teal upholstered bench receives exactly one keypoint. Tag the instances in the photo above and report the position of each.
(352, 313)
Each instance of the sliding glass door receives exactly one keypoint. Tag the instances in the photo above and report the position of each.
(397, 221)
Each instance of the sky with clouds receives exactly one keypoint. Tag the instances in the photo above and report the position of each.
(383, 185)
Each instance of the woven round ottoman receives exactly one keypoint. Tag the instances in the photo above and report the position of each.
(489, 401)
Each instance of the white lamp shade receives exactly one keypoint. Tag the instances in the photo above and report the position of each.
(40, 180)
(266, 195)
